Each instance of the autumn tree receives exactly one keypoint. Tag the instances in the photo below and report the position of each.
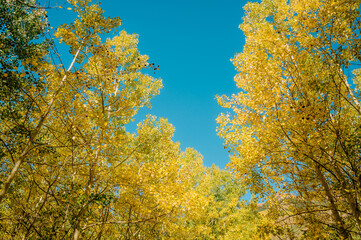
(294, 130)
(22, 46)
(22, 29)
(55, 77)
(70, 167)
(79, 173)
(225, 215)
(216, 207)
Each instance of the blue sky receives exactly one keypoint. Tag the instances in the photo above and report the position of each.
(192, 41)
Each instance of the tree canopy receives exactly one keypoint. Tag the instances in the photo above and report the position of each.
(294, 129)
(72, 168)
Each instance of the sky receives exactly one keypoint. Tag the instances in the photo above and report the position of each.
(192, 41)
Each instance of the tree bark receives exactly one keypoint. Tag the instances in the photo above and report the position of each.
(33, 136)
(335, 213)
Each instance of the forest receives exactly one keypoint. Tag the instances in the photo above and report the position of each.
(71, 168)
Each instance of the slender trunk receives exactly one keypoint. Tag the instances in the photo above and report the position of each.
(33, 136)
(352, 202)
(350, 91)
(76, 234)
(87, 193)
(335, 213)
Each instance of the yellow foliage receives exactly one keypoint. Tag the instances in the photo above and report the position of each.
(296, 111)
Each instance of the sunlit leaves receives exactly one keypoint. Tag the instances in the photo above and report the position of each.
(296, 109)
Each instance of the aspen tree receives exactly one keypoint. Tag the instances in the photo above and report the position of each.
(294, 129)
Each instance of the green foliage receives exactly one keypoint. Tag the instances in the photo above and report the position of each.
(21, 31)
(22, 47)
(225, 215)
